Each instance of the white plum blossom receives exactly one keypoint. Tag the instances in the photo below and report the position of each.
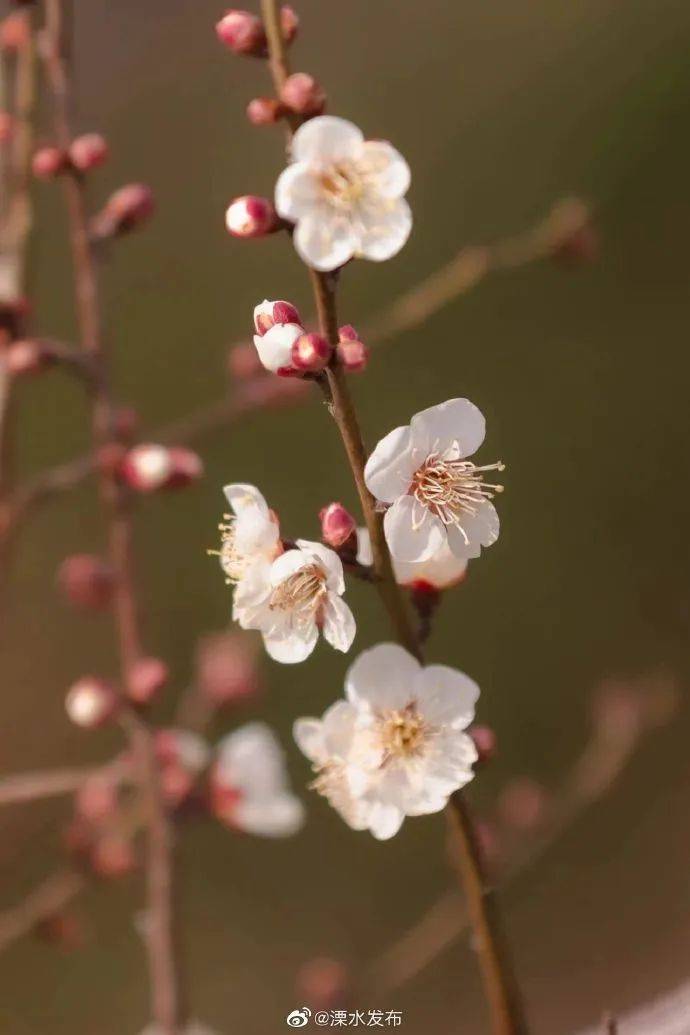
(440, 571)
(433, 492)
(249, 784)
(250, 536)
(345, 194)
(397, 746)
(296, 596)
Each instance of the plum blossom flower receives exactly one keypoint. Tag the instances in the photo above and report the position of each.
(440, 571)
(299, 594)
(250, 536)
(249, 786)
(396, 747)
(277, 327)
(345, 194)
(433, 493)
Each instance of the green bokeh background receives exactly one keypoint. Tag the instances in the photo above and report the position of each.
(501, 108)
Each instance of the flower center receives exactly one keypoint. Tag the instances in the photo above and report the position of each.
(301, 593)
(342, 184)
(403, 733)
(451, 488)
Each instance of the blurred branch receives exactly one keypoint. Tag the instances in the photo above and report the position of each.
(666, 1015)
(45, 901)
(23, 787)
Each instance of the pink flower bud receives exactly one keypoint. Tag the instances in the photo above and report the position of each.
(126, 209)
(146, 679)
(177, 783)
(186, 467)
(15, 31)
(251, 216)
(86, 581)
(88, 151)
(61, 929)
(113, 856)
(97, 799)
(244, 363)
(323, 984)
(7, 126)
(147, 467)
(242, 32)
(353, 353)
(226, 668)
(269, 313)
(289, 23)
(302, 94)
(485, 742)
(110, 458)
(49, 162)
(265, 111)
(337, 525)
(91, 702)
(310, 353)
(26, 358)
(523, 803)
(126, 421)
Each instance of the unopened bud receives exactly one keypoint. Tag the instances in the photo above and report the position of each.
(289, 23)
(86, 581)
(125, 210)
(269, 313)
(49, 162)
(251, 216)
(15, 32)
(185, 467)
(145, 679)
(113, 856)
(310, 353)
(7, 125)
(337, 525)
(147, 467)
(265, 111)
(485, 742)
(242, 32)
(323, 984)
(97, 799)
(91, 702)
(88, 151)
(226, 668)
(353, 353)
(110, 458)
(303, 95)
(28, 357)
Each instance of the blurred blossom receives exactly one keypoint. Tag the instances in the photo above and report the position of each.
(323, 984)
(249, 787)
(433, 493)
(523, 803)
(87, 581)
(226, 668)
(345, 195)
(397, 747)
(91, 702)
(97, 798)
(250, 536)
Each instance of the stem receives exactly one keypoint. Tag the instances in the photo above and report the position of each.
(116, 500)
(500, 987)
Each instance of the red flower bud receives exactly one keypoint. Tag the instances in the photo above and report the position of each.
(186, 467)
(125, 210)
(113, 856)
(310, 353)
(353, 353)
(49, 162)
(15, 31)
(7, 125)
(147, 467)
(242, 32)
(265, 111)
(88, 151)
(91, 702)
(302, 94)
(269, 313)
(97, 799)
(251, 216)
(289, 23)
(337, 525)
(28, 357)
(146, 679)
(86, 581)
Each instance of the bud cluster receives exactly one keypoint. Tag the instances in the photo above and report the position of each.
(244, 33)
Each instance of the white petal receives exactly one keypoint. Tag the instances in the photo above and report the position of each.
(446, 696)
(256, 533)
(385, 821)
(480, 529)
(324, 239)
(292, 647)
(457, 420)
(309, 737)
(279, 816)
(297, 192)
(382, 677)
(364, 552)
(329, 561)
(326, 139)
(338, 623)
(338, 728)
(251, 759)
(386, 167)
(384, 227)
(288, 564)
(413, 533)
(442, 569)
(275, 346)
(390, 467)
(240, 496)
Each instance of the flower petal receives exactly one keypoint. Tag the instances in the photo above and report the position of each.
(413, 533)
(289, 646)
(275, 346)
(385, 167)
(288, 564)
(385, 820)
(326, 139)
(389, 469)
(457, 420)
(480, 529)
(338, 623)
(278, 816)
(384, 227)
(309, 737)
(297, 191)
(383, 677)
(252, 760)
(324, 239)
(240, 496)
(442, 569)
(446, 697)
(329, 561)
(364, 551)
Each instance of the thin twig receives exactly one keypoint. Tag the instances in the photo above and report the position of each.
(23, 787)
(45, 901)
(500, 987)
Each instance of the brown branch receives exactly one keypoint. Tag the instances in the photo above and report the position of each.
(45, 901)
(23, 787)
(116, 502)
(500, 987)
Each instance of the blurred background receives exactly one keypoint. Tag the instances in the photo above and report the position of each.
(501, 109)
